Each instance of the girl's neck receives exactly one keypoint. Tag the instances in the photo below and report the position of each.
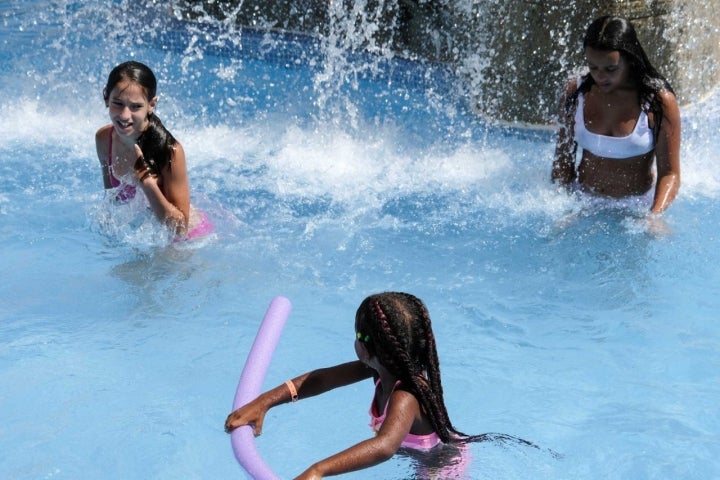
(387, 379)
(125, 140)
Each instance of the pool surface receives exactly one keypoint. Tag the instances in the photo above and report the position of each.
(570, 323)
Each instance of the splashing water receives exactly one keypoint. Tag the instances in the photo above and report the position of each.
(333, 166)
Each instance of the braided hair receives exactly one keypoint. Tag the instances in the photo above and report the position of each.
(156, 142)
(395, 327)
(610, 33)
(400, 335)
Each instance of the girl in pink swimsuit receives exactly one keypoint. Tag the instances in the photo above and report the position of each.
(137, 152)
(395, 346)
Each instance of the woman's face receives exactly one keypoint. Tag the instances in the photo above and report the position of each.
(129, 109)
(608, 68)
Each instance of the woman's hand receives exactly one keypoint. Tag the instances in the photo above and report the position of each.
(655, 225)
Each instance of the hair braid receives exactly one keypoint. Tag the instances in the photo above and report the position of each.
(434, 402)
(396, 357)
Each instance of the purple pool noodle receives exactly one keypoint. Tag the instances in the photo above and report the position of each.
(250, 384)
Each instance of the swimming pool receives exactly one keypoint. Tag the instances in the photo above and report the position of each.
(562, 322)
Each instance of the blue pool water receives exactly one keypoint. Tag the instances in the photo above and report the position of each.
(571, 324)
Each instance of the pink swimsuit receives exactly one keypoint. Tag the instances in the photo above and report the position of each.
(417, 442)
(202, 227)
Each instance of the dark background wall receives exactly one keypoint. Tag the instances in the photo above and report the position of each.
(514, 55)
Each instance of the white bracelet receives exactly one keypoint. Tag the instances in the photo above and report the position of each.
(293, 391)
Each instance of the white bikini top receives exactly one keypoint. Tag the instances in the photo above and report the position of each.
(639, 142)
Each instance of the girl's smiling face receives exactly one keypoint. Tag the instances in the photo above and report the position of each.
(129, 109)
(608, 68)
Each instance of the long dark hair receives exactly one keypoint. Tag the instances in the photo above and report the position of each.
(610, 33)
(398, 331)
(156, 142)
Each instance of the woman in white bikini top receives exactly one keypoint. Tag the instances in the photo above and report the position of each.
(624, 116)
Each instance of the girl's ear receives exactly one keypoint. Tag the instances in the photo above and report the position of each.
(361, 351)
(153, 104)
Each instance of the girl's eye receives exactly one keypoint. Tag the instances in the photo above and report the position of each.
(133, 107)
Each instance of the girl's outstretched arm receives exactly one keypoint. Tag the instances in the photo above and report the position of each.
(403, 411)
(306, 385)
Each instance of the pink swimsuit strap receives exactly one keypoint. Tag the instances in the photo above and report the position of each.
(114, 182)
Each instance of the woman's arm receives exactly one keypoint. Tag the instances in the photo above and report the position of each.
(307, 385)
(171, 203)
(667, 155)
(403, 410)
(563, 171)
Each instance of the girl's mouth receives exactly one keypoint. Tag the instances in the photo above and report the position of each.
(123, 125)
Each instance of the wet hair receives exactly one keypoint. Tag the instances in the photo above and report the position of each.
(156, 142)
(396, 328)
(610, 33)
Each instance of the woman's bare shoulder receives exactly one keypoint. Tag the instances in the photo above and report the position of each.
(668, 99)
(570, 88)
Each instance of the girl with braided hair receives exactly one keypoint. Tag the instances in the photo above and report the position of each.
(395, 346)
